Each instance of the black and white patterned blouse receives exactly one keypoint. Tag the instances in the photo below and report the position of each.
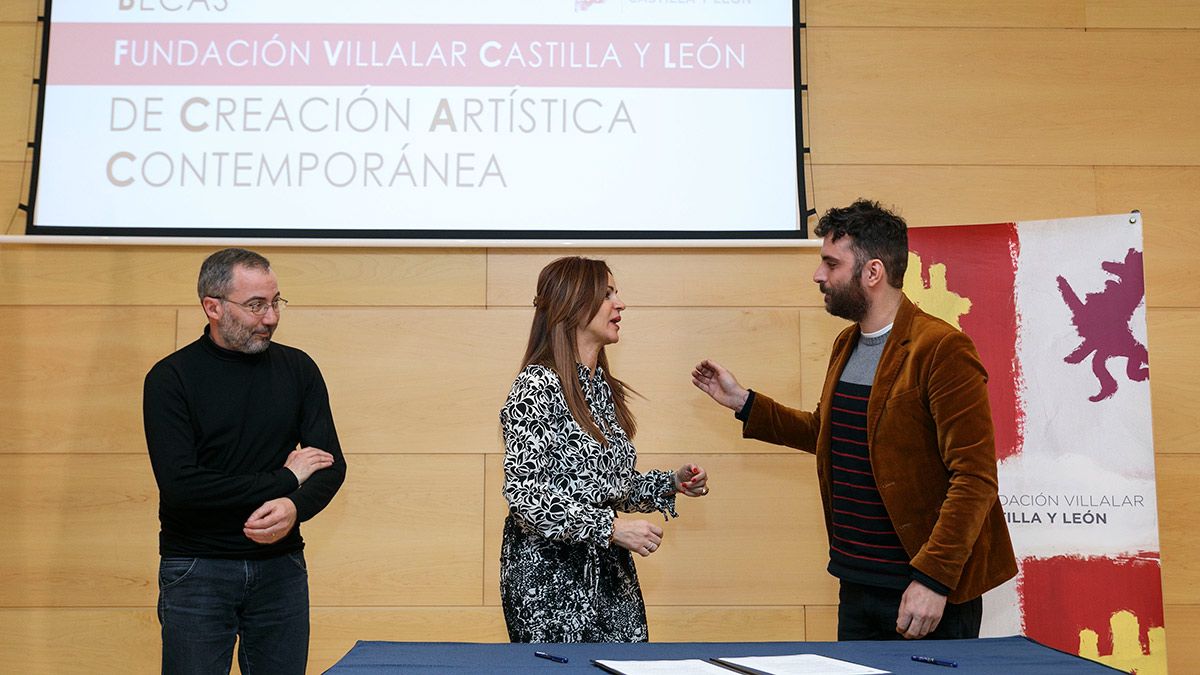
(560, 580)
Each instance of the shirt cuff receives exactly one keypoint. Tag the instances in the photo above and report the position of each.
(744, 413)
(604, 534)
(664, 493)
(929, 582)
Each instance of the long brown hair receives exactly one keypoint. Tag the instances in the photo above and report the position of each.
(569, 293)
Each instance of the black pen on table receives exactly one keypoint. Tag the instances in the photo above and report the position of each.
(550, 657)
(936, 662)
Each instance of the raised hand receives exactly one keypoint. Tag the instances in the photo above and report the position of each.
(711, 378)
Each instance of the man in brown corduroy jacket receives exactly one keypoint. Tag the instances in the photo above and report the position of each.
(903, 436)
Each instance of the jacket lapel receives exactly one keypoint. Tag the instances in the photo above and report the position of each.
(895, 353)
(843, 347)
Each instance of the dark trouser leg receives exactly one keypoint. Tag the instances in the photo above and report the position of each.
(870, 612)
(959, 621)
(274, 618)
(197, 608)
(867, 612)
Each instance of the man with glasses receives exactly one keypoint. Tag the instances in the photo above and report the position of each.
(243, 447)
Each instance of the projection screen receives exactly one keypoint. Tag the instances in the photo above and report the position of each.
(421, 118)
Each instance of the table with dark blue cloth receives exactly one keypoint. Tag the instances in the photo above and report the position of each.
(1002, 656)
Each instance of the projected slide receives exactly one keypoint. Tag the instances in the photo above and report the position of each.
(419, 118)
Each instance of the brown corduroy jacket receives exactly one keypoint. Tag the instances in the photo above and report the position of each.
(931, 445)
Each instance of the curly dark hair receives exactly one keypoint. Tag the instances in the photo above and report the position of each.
(874, 232)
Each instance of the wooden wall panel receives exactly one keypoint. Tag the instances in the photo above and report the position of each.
(99, 275)
(336, 629)
(946, 13)
(678, 623)
(658, 350)
(12, 219)
(1178, 505)
(820, 623)
(1169, 199)
(960, 195)
(11, 193)
(72, 379)
(667, 277)
(818, 330)
(1173, 386)
(16, 77)
(1143, 14)
(19, 11)
(380, 277)
(798, 387)
(105, 640)
(80, 531)
(1183, 625)
(412, 380)
(968, 97)
(398, 399)
(404, 530)
(159, 275)
(764, 512)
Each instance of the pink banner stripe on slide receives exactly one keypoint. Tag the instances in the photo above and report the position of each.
(471, 55)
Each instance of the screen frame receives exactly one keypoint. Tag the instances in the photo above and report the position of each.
(801, 232)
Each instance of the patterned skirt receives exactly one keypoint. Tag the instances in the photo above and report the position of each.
(568, 592)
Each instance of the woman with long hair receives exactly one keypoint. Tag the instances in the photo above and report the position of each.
(566, 564)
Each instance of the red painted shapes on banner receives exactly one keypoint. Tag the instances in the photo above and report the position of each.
(977, 264)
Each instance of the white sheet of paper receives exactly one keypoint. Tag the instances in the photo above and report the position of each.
(803, 664)
(668, 667)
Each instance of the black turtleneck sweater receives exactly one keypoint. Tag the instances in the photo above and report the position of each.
(219, 427)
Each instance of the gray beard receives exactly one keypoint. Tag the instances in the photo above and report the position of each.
(240, 338)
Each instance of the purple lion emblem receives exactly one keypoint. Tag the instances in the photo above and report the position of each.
(1102, 320)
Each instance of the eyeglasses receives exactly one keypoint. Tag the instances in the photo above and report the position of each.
(258, 307)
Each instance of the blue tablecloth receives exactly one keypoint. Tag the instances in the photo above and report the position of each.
(1003, 656)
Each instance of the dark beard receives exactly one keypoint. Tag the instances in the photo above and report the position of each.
(848, 301)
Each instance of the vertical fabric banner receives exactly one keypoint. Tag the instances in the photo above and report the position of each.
(1057, 309)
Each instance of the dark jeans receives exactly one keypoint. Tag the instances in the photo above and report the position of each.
(869, 613)
(205, 603)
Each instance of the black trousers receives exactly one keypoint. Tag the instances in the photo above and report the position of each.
(869, 613)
